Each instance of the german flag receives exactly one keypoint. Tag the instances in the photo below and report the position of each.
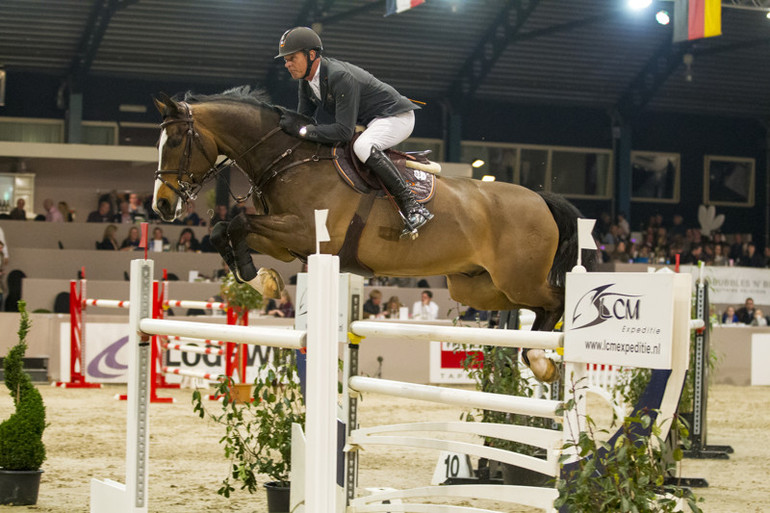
(696, 19)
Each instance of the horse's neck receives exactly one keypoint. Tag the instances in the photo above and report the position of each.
(236, 129)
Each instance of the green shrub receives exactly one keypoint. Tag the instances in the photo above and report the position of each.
(21, 434)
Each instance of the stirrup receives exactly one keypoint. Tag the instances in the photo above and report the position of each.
(414, 221)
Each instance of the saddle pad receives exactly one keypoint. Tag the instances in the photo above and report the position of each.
(422, 184)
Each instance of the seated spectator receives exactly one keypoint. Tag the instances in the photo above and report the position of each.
(108, 241)
(206, 246)
(285, 307)
(729, 316)
(751, 258)
(471, 314)
(269, 306)
(66, 212)
(187, 241)
(693, 256)
(643, 256)
(191, 218)
(220, 214)
(52, 214)
(124, 214)
(746, 312)
(393, 308)
(135, 208)
(131, 242)
(19, 213)
(619, 254)
(759, 318)
(102, 214)
(425, 309)
(720, 255)
(373, 305)
(158, 242)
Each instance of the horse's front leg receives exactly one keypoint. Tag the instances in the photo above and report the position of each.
(268, 234)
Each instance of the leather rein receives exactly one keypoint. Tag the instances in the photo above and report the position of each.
(189, 186)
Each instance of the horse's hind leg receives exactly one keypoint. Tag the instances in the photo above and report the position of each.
(544, 368)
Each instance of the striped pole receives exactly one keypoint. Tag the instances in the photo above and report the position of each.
(194, 349)
(193, 374)
(203, 305)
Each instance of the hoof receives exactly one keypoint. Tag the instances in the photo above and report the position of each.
(544, 369)
(268, 283)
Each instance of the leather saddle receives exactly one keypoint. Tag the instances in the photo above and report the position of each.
(358, 176)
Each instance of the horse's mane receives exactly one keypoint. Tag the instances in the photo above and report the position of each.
(241, 94)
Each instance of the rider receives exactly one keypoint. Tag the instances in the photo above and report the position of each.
(352, 95)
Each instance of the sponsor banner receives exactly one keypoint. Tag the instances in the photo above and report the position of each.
(619, 319)
(446, 362)
(732, 285)
(106, 357)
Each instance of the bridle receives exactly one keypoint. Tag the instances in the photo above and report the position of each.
(188, 186)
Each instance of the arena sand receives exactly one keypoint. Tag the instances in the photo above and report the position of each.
(85, 438)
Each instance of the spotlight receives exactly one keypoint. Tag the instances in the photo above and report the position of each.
(639, 4)
(487, 178)
(663, 17)
(477, 163)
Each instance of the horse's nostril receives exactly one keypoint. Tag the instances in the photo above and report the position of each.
(163, 204)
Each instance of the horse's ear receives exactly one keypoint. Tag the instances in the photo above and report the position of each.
(165, 105)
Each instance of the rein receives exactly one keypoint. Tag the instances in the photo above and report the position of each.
(188, 186)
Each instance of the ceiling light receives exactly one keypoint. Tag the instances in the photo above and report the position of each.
(638, 4)
(663, 17)
(477, 163)
(487, 178)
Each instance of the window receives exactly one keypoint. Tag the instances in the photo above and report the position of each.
(581, 173)
(98, 132)
(655, 177)
(436, 147)
(728, 181)
(31, 130)
(533, 168)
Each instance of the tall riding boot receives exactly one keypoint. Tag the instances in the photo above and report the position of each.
(414, 214)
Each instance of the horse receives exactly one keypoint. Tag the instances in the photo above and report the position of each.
(501, 246)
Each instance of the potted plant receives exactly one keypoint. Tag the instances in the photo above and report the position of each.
(21, 435)
(257, 436)
(241, 297)
(627, 473)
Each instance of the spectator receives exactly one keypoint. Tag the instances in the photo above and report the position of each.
(285, 306)
(2, 275)
(373, 306)
(694, 255)
(268, 307)
(187, 241)
(746, 312)
(4, 251)
(730, 317)
(759, 318)
(751, 258)
(619, 254)
(52, 214)
(624, 230)
(124, 214)
(206, 246)
(393, 308)
(135, 208)
(736, 249)
(131, 242)
(158, 242)
(108, 240)
(220, 214)
(678, 229)
(720, 255)
(191, 218)
(19, 213)
(101, 214)
(425, 309)
(66, 213)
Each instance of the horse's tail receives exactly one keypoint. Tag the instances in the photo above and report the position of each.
(566, 215)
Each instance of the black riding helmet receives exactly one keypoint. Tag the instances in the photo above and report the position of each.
(299, 39)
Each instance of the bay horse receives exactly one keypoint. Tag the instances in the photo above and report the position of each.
(501, 246)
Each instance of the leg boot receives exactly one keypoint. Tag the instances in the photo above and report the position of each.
(414, 214)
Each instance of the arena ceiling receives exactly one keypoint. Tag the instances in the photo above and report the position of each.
(593, 53)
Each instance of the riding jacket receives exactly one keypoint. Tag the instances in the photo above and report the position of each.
(352, 96)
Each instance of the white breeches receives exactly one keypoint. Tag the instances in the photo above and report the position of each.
(384, 133)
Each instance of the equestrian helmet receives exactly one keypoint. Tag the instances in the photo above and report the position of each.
(297, 39)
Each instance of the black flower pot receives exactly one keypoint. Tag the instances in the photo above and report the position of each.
(513, 475)
(19, 487)
(277, 497)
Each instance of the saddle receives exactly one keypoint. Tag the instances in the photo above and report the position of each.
(415, 167)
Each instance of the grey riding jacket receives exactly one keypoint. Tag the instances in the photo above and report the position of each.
(352, 96)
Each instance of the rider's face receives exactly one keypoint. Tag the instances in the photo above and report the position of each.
(296, 64)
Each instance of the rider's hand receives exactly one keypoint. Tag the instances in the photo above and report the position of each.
(291, 123)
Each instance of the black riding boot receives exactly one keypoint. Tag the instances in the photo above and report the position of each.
(414, 214)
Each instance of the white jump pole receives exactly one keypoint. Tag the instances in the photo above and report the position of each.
(478, 336)
(275, 337)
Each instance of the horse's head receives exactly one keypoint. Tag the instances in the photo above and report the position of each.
(186, 158)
